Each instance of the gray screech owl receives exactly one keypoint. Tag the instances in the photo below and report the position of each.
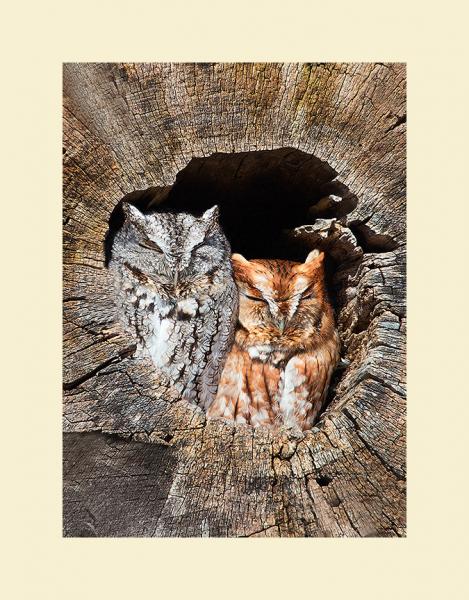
(177, 295)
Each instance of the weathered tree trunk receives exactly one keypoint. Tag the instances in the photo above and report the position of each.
(138, 461)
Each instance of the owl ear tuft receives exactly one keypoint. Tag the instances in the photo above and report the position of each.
(315, 256)
(313, 264)
(241, 268)
(132, 213)
(239, 258)
(211, 217)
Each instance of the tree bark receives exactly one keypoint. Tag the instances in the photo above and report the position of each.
(138, 461)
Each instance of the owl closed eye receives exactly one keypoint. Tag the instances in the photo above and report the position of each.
(150, 245)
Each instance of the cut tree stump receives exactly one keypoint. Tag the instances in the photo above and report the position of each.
(297, 156)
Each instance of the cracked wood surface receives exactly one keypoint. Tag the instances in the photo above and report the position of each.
(137, 460)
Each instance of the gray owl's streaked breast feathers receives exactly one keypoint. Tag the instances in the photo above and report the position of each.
(176, 294)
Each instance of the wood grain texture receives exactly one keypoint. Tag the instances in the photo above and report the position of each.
(167, 471)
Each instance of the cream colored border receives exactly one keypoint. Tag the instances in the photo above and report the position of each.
(37, 38)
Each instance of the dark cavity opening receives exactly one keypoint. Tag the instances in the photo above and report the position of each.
(262, 196)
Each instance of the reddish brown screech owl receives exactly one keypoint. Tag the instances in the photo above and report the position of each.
(286, 345)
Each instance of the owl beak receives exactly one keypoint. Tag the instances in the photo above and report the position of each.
(281, 325)
(176, 276)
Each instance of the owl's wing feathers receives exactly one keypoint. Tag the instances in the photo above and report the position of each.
(218, 334)
(262, 386)
(306, 380)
